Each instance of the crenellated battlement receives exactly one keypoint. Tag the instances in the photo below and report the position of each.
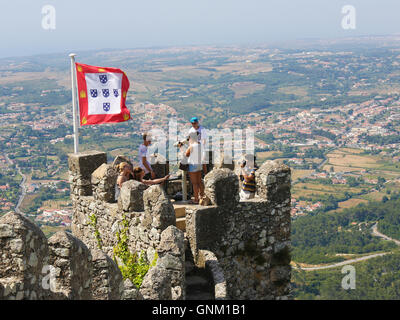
(243, 246)
(145, 213)
(250, 239)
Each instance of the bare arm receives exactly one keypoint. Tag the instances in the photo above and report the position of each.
(155, 181)
(187, 153)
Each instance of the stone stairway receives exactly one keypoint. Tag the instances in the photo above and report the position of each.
(180, 214)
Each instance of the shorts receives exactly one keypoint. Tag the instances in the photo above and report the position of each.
(195, 167)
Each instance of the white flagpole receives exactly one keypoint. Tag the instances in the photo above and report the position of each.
(74, 108)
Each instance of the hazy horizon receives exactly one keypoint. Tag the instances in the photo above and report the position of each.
(96, 25)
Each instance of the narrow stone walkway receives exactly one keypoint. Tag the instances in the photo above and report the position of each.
(199, 284)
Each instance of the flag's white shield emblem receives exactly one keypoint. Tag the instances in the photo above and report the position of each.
(104, 101)
(106, 106)
(116, 93)
(106, 93)
(93, 93)
(103, 78)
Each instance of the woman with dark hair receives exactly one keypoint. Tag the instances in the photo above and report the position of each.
(138, 175)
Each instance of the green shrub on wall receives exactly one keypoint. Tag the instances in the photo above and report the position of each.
(132, 265)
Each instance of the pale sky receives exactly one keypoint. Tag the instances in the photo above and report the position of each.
(97, 24)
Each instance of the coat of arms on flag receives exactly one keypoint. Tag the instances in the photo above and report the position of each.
(102, 94)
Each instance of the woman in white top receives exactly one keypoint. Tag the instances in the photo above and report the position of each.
(194, 155)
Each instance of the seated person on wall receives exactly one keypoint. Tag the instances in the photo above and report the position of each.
(125, 174)
(138, 175)
(248, 178)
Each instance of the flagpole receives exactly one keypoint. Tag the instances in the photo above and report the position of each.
(74, 108)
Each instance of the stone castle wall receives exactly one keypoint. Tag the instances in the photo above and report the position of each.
(146, 211)
(250, 239)
(81, 265)
(62, 267)
(245, 245)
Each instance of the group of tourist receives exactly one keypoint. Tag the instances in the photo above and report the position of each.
(193, 158)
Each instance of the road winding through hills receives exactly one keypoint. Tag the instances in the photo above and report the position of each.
(21, 185)
(23, 191)
(375, 233)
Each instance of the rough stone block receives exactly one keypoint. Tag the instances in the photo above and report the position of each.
(159, 207)
(222, 187)
(172, 241)
(84, 163)
(81, 166)
(131, 292)
(273, 181)
(156, 284)
(131, 196)
(107, 278)
(171, 253)
(24, 254)
(103, 181)
(280, 274)
(72, 261)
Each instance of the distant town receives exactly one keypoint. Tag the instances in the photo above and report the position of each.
(339, 134)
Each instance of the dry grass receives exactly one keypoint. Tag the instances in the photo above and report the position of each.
(298, 91)
(379, 89)
(351, 160)
(50, 230)
(123, 151)
(242, 89)
(351, 203)
(51, 204)
(267, 154)
(245, 68)
(374, 196)
(298, 173)
(27, 201)
(327, 167)
(351, 150)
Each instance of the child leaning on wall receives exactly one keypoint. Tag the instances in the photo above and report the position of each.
(247, 177)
